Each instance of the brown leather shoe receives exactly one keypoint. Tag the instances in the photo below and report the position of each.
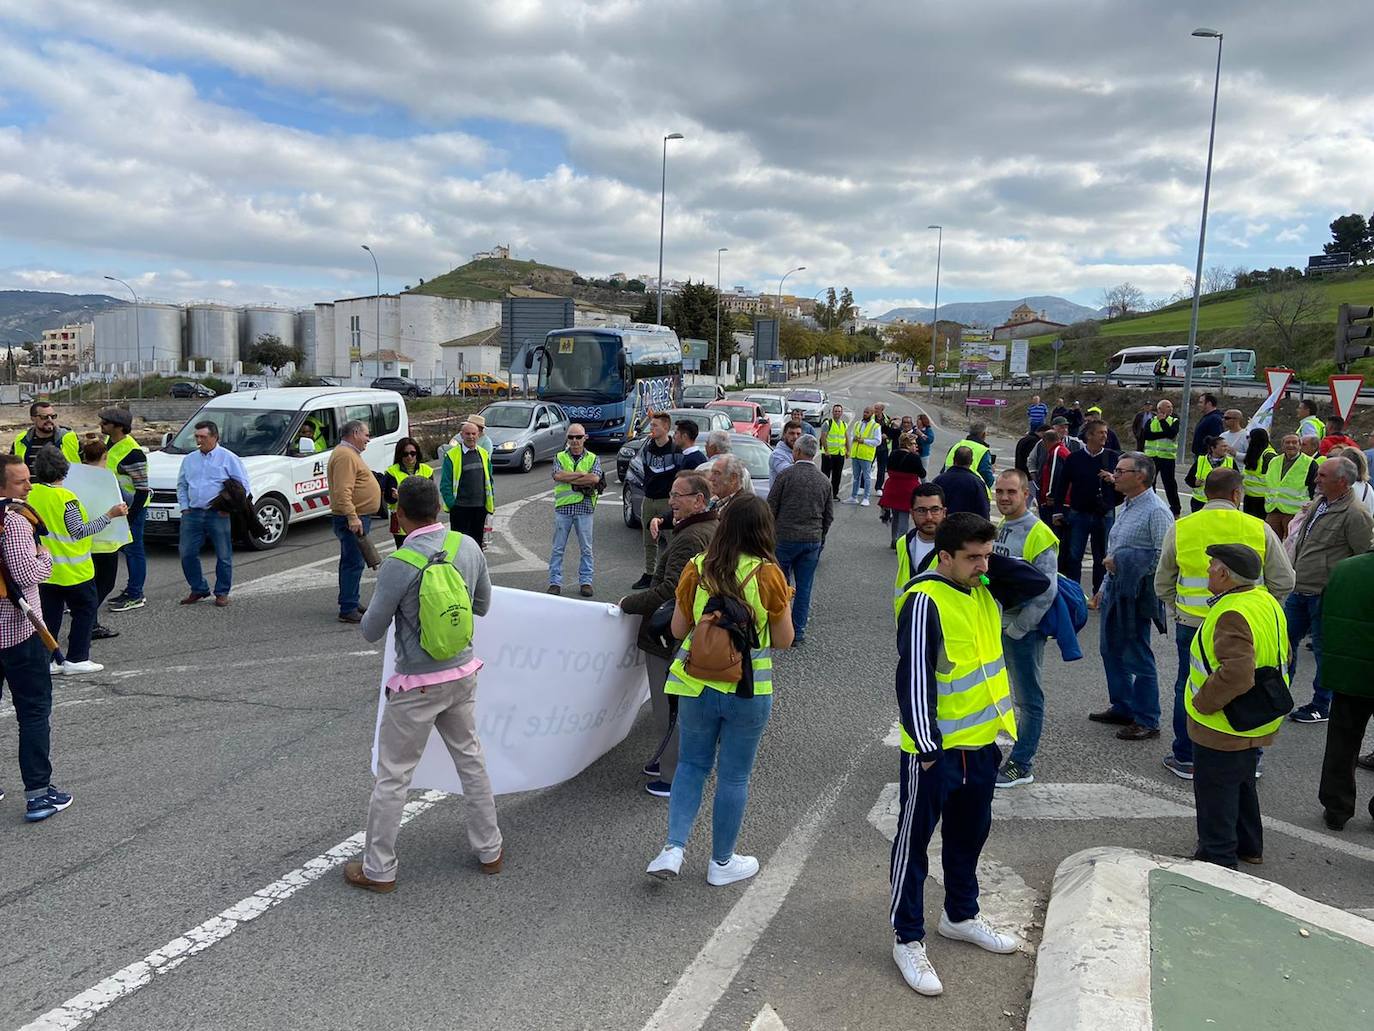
(1112, 717)
(586, 590)
(1135, 732)
(356, 616)
(554, 589)
(221, 600)
(1252, 860)
(353, 874)
(495, 865)
(192, 598)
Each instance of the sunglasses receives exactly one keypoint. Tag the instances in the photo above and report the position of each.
(410, 454)
(577, 436)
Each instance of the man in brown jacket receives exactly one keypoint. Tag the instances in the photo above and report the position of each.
(1337, 527)
(354, 498)
(1243, 631)
(694, 524)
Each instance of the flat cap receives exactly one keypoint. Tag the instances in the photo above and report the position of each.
(1240, 559)
(118, 416)
(1059, 420)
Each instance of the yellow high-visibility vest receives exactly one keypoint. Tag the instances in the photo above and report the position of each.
(1201, 469)
(1255, 486)
(116, 454)
(566, 493)
(860, 450)
(1269, 630)
(1286, 492)
(979, 450)
(680, 682)
(400, 476)
(457, 466)
(1161, 447)
(836, 437)
(71, 558)
(1192, 534)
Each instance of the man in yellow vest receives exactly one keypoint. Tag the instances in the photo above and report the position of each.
(863, 446)
(1309, 425)
(466, 487)
(1181, 581)
(834, 448)
(976, 441)
(46, 431)
(1243, 639)
(1161, 447)
(1289, 482)
(954, 698)
(576, 479)
(129, 463)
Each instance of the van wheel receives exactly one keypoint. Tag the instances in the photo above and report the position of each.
(273, 515)
(527, 460)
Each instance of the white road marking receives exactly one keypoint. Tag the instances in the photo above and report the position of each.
(1082, 802)
(1314, 837)
(277, 660)
(689, 1004)
(768, 1020)
(1368, 914)
(122, 983)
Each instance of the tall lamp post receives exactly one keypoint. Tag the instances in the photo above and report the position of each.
(662, 208)
(377, 270)
(138, 341)
(1201, 241)
(935, 315)
(719, 252)
(799, 268)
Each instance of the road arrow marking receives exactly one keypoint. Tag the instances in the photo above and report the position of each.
(768, 1020)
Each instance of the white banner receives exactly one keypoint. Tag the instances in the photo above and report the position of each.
(99, 492)
(561, 684)
(1020, 357)
(1263, 418)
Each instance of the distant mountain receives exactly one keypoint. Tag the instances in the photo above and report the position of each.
(994, 313)
(24, 314)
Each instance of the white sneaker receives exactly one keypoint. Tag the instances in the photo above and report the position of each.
(916, 970)
(82, 667)
(979, 933)
(863, 503)
(739, 868)
(851, 501)
(56, 669)
(667, 864)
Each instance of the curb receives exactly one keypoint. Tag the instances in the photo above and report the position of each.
(1093, 969)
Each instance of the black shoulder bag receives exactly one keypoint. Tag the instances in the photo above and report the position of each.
(1267, 701)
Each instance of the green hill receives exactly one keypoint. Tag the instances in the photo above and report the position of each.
(1225, 319)
(491, 279)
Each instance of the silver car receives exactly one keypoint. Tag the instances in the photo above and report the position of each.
(525, 432)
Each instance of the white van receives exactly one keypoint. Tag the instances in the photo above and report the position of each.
(265, 428)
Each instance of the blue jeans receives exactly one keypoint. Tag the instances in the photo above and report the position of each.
(736, 724)
(1132, 680)
(798, 560)
(861, 467)
(1183, 744)
(351, 564)
(1084, 528)
(196, 525)
(1024, 660)
(1304, 612)
(135, 558)
(25, 668)
(565, 523)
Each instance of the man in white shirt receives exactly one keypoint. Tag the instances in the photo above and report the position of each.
(1235, 434)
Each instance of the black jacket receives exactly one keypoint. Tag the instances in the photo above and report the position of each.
(964, 490)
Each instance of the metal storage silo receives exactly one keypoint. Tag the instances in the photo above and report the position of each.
(212, 331)
(305, 339)
(153, 332)
(260, 321)
(325, 364)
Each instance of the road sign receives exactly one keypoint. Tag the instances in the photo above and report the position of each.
(1278, 380)
(1344, 390)
(1058, 344)
(929, 369)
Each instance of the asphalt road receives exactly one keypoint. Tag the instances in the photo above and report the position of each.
(223, 749)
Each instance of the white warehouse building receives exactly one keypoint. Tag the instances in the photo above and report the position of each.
(413, 329)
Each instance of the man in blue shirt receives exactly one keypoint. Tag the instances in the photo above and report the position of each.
(1037, 414)
(781, 457)
(199, 482)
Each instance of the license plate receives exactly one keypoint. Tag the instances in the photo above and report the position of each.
(159, 515)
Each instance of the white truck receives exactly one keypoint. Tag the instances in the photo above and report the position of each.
(285, 459)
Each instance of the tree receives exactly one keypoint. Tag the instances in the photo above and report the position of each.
(1282, 305)
(910, 341)
(1122, 299)
(1218, 278)
(1351, 233)
(270, 352)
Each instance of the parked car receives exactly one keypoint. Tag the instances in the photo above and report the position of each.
(748, 418)
(250, 384)
(705, 419)
(523, 433)
(404, 387)
(185, 390)
(285, 460)
(772, 407)
(1020, 379)
(699, 395)
(812, 402)
(317, 381)
(747, 448)
(483, 384)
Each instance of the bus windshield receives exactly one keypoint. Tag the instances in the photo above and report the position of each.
(244, 431)
(581, 366)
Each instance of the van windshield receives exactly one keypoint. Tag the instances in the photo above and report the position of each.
(244, 431)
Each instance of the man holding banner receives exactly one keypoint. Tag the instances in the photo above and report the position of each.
(433, 687)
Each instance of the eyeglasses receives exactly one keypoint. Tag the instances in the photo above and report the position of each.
(683, 494)
(577, 436)
(928, 510)
(410, 454)
(1118, 471)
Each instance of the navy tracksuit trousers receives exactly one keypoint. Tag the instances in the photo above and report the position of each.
(958, 789)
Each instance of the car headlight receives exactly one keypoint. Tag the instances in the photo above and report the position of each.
(627, 452)
(506, 445)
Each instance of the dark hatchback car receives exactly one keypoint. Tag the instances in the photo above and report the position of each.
(185, 390)
(404, 387)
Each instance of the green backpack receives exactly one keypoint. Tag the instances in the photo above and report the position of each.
(445, 605)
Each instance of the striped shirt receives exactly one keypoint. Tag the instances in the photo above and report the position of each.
(1037, 414)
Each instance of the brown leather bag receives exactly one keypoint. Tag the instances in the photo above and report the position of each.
(715, 653)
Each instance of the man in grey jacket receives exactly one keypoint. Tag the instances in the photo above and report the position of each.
(424, 694)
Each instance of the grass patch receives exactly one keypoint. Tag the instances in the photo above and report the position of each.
(491, 279)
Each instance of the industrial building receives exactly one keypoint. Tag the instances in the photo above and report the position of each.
(414, 325)
(164, 336)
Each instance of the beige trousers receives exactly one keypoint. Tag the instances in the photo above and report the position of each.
(406, 723)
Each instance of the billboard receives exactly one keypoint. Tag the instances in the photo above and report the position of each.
(1020, 357)
(525, 321)
(765, 339)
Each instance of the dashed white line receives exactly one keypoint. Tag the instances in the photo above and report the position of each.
(122, 983)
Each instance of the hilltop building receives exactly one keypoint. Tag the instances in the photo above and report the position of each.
(1025, 321)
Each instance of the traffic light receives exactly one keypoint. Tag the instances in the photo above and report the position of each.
(1352, 326)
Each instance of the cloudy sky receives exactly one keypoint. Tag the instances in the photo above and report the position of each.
(244, 149)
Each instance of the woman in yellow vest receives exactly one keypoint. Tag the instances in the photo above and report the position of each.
(104, 548)
(1243, 639)
(720, 723)
(68, 538)
(405, 461)
(1218, 456)
(1258, 454)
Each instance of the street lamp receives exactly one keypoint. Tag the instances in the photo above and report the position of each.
(1201, 240)
(935, 315)
(799, 268)
(662, 207)
(138, 342)
(719, 252)
(376, 269)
